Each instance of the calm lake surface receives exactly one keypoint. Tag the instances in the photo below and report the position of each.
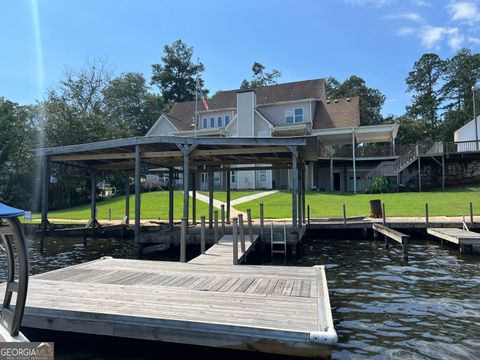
(382, 306)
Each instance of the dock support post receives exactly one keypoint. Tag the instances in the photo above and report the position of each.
(241, 232)
(303, 195)
(186, 150)
(138, 166)
(344, 215)
(354, 163)
(171, 185)
(93, 197)
(471, 213)
(405, 249)
(419, 171)
(194, 199)
(426, 214)
(262, 228)
(235, 240)
(127, 201)
(183, 240)
(222, 217)
(215, 226)
(443, 172)
(249, 223)
(45, 185)
(294, 181)
(331, 174)
(299, 195)
(202, 234)
(210, 198)
(308, 214)
(229, 178)
(384, 216)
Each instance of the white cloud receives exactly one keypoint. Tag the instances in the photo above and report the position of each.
(473, 40)
(406, 31)
(410, 16)
(375, 3)
(432, 36)
(464, 11)
(420, 3)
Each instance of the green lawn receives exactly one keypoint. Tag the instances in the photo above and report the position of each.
(234, 194)
(154, 206)
(453, 202)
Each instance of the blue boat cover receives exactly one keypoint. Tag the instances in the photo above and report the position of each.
(9, 212)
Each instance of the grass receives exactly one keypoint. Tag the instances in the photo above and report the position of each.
(234, 194)
(452, 202)
(154, 205)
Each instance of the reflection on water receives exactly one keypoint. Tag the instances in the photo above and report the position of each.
(382, 306)
(385, 308)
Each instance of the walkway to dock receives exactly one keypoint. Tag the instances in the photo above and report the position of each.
(221, 253)
(273, 309)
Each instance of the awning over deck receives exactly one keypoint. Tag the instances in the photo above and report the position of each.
(362, 134)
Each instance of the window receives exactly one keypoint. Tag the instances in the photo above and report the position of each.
(233, 176)
(263, 175)
(204, 120)
(293, 115)
(212, 122)
(227, 120)
(219, 122)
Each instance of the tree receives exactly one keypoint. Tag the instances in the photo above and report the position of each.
(260, 77)
(423, 83)
(462, 72)
(176, 75)
(129, 107)
(411, 130)
(371, 99)
(17, 139)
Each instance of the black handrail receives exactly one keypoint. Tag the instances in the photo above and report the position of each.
(11, 316)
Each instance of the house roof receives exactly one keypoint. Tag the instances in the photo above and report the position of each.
(182, 113)
(339, 113)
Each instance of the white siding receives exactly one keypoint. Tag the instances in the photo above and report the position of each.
(276, 113)
(214, 114)
(245, 113)
(162, 127)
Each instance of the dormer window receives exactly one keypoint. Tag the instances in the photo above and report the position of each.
(294, 115)
(205, 122)
(212, 122)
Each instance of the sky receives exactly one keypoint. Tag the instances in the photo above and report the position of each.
(378, 40)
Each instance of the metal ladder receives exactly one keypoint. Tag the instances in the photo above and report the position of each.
(278, 246)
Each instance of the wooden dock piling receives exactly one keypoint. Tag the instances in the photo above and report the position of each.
(384, 215)
(235, 240)
(222, 215)
(183, 241)
(215, 226)
(308, 214)
(471, 213)
(250, 225)
(426, 214)
(262, 225)
(202, 234)
(241, 232)
(344, 215)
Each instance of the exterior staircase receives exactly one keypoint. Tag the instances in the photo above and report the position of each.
(394, 168)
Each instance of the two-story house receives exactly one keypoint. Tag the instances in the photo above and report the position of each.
(291, 109)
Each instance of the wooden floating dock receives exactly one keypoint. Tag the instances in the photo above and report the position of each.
(272, 309)
(460, 237)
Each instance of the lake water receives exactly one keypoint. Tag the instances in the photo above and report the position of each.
(428, 308)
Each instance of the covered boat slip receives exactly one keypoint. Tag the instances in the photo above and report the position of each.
(134, 156)
(274, 309)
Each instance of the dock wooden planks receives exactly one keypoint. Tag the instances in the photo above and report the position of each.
(273, 309)
(222, 253)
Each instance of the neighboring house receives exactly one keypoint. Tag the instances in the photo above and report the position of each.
(291, 109)
(467, 133)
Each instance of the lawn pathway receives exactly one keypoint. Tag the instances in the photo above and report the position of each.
(233, 212)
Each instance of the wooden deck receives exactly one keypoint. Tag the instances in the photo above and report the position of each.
(273, 309)
(460, 237)
(222, 253)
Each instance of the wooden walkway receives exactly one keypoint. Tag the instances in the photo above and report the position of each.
(460, 237)
(222, 253)
(273, 309)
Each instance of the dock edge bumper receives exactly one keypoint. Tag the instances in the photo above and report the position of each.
(328, 337)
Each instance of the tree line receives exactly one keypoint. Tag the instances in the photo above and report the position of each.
(91, 104)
